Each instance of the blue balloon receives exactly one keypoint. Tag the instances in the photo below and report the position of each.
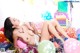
(78, 34)
(78, 37)
(47, 16)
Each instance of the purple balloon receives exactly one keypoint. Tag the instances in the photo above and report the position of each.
(78, 32)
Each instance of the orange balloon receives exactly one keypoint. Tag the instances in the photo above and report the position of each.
(2, 37)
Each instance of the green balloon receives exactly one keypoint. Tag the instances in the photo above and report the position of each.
(46, 47)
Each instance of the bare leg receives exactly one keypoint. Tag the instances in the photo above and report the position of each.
(44, 32)
(60, 29)
(52, 29)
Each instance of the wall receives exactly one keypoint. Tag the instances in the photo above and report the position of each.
(76, 15)
(26, 11)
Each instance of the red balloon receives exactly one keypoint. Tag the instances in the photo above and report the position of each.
(2, 29)
(71, 32)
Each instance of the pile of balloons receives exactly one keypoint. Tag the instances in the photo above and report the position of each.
(71, 46)
(2, 29)
(78, 34)
(71, 32)
(2, 36)
(46, 46)
(25, 47)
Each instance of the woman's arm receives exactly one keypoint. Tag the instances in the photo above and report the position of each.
(31, 26)
(34, 28)
(15, 41)
(28, 25)
(15, 44)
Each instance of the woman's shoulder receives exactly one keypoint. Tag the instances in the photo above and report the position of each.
(15, 32)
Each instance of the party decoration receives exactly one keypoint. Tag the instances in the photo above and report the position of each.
(78, 37)
(56, 1)
(26, 48)
(71, 32)
(46, 15)
(2, 29)
(78, 34)
(30, 49)
(61, 15)
(46, 46)
(31, 2)
(62, 6)
(5, 45)
(2, 36)
(72, 46)
(62, 18)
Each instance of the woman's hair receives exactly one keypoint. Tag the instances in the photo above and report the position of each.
(8, 30)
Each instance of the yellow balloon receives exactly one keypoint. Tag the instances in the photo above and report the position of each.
(56, 1)
(31, 2)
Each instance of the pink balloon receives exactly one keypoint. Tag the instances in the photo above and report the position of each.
(21, 44)
(72, 46)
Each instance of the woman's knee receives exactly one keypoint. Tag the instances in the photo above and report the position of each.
(54, 22)
(46, 23)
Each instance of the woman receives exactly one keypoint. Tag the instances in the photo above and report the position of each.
(13, 30)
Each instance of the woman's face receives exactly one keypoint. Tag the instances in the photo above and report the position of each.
(15, 21)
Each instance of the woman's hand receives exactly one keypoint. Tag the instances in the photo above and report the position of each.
(28, 25)
(34, 28)
(31, 26)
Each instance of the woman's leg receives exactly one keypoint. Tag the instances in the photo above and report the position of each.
(44, 32)
(59, 28)
(52, 30)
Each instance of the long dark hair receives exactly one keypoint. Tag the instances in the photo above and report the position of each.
(8, 30)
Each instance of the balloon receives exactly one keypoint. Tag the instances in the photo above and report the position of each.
(62, 18)
(26, 48)
(2, 29)
(31, 2)
(78, 34)
(46, 47)
(2, 36)
(71, 32)
(47, 16)
(56, 1)
(72, 46)
(78, 31)
(78, 37)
